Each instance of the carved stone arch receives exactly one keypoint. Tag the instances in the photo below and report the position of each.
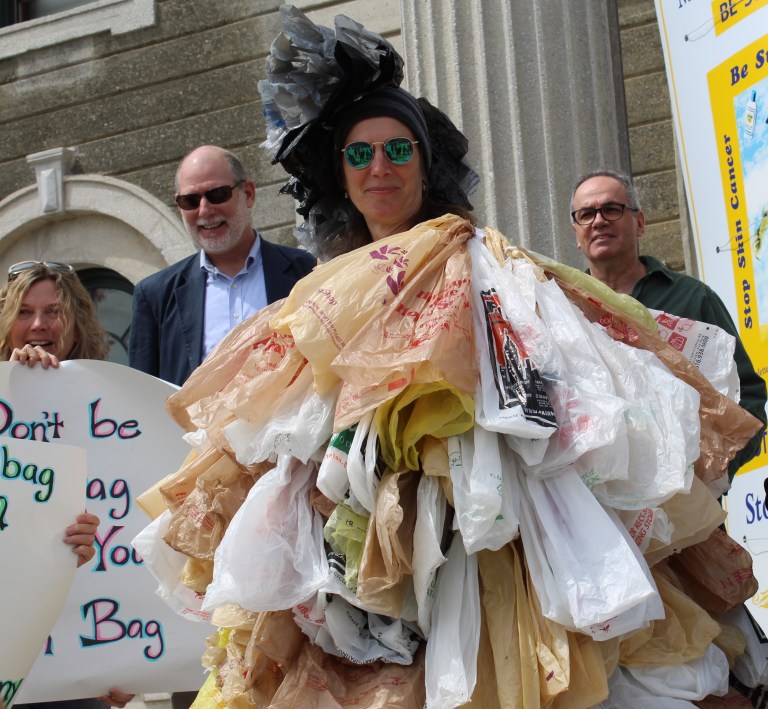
(103, 221)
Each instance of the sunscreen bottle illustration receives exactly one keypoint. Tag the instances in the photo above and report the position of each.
(749, 117)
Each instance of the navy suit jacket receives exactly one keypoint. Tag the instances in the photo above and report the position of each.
(166, 338)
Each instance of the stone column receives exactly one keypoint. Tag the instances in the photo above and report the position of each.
(537, 88)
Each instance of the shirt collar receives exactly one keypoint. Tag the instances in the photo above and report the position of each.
(253, 257)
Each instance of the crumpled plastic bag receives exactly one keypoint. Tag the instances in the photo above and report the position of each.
(275, 534)
(451, 658)
(751, 668)
(321, 681)
(384, 580)
(662, 427)
(681, 635)
(485, 489)
(166, 565)
(221, 365)
(332, 477)
(511, 343)
(359, 636)
(716, 573)
(431, 511)
(510, 627)
(707, 347)
(687, 528)
(301, 422)
(436, 409)
(691, 680)
(583, 568)
(628, 693)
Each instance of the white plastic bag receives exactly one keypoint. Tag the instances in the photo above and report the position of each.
(751, 668)
(626, 693)
(583, 568)
(431, 508)
(354, 634)
(691, 680)
(361, 463)
(707, 347)
(485, 494)
(589, 411)
(301, 423)
(166, 565)
(272, 555)
(451, 659)
(510, 395)
(662, 427)
(332, 477)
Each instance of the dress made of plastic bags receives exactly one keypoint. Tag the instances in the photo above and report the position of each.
(275, 535)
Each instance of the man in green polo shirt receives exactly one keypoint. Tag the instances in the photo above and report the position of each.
(608, 221)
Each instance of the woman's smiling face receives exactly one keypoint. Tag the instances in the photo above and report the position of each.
(40, 321)
(388, 196)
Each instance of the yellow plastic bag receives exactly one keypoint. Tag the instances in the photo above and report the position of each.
(510, 627)
(328, 307)
(421, 410)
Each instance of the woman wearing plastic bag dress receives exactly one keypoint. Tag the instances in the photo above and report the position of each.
(386, 327)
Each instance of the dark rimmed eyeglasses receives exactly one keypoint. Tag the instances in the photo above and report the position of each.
(398, 151)
(216, 195)
(610, 211)
(22, 266)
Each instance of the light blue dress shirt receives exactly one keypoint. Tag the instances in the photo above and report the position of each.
(230, 300)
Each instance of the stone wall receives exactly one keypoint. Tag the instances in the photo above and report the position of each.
(653, 152)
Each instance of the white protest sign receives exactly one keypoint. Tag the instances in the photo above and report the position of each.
(114, 631)
(42, 490)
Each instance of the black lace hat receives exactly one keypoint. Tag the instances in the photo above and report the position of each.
(318, 78)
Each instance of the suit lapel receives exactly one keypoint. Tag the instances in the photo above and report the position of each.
(190, 298)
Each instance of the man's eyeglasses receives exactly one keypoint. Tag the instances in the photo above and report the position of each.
(610, 211)
(217, 195)
(398, 151)
(22, 266)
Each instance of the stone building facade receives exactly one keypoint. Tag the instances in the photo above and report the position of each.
(98, 104)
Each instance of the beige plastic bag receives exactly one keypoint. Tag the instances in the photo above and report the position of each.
(386, 566)
(716, 573)
(688, 528)
(320, 681)
(684, 633)
(425, 335)
(327, 308)
(221, 366)
(510, 627)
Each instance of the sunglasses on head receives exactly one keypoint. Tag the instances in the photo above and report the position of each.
(398, 151)
(22, 266)
(217, 195)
